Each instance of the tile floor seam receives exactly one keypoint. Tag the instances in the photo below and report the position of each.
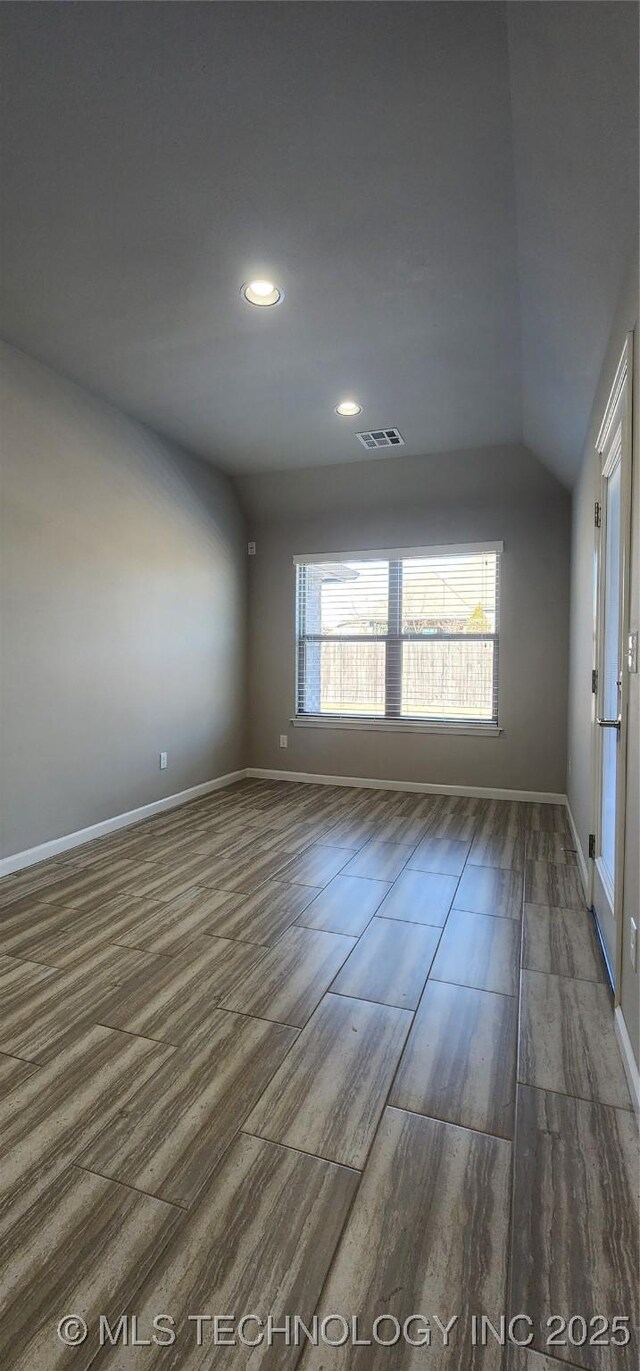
(76, 1165)
(432, 979)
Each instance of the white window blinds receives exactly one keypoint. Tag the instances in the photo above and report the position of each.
(402, 634)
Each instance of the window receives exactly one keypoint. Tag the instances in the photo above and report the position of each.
(409, 634)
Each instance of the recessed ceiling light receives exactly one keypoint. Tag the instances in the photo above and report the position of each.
(262, 293)
(348, 408)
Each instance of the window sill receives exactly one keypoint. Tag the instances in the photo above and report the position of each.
(397, 725)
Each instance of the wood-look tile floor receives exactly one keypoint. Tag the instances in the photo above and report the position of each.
(293, 1050)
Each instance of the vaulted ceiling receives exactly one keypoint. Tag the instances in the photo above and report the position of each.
(447, 193)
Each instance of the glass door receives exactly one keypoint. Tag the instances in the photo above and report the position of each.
(608, 704)
(612, 549)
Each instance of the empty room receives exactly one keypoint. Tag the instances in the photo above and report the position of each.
(319, 693)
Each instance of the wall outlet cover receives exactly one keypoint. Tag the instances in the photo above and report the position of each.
(284, 741)
(163, 761)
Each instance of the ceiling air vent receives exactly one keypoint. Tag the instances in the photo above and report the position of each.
(381, 437)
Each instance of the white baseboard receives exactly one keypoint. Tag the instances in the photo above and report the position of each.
(19, 860)
(621, 1031)
(628, 1060)
(43, 851)
(421, 787)
(583, 865)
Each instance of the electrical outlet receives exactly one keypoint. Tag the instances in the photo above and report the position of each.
(633, 943)
(163, 761)
(251, 549)
(284, 741)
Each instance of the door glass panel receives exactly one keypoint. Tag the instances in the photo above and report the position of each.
(610, 667)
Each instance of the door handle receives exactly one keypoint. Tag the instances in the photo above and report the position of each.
(609, 723)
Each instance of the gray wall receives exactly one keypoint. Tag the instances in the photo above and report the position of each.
(579, 775)
(501, 493)
(123, 612)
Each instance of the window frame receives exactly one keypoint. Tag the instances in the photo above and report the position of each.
(393, 641)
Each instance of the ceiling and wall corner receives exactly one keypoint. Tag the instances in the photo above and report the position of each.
(574, 95)
(447, 194)
(499, 475)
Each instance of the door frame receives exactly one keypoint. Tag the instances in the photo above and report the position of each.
(623, 382)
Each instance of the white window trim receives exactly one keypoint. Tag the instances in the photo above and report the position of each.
(488, 729)
(372, 725)
(393, 554)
